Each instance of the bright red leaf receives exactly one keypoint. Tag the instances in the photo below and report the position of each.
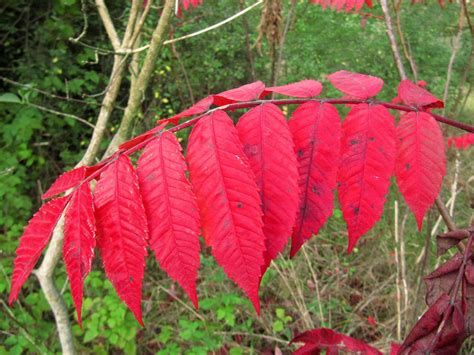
(172, 213)
(368, 158)
(122, 231)
(421, 161)
(247, 92)
(359, 86)
(316, 130)
(339, 5)
(142, 137)
(333, 342)
(461, 142)
(229, 201)
(268, 146)
(32, 242)
(79, 242)
(303, 89)
(67, 180)
(414, 95)
(199, 107)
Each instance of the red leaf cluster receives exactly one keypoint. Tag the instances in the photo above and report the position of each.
(461, 142)
(251, 187)
(346, 5)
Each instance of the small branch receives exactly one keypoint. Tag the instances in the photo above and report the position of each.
(108, 24)
(86, 22)
(406, 49)
(392, 39)
(58, 113)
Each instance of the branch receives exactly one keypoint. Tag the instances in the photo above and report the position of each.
(392, 39)
(58, 113)
(137, 92)
(108, 24)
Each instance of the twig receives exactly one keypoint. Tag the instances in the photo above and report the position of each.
(392, 39)
(316, 284)
(108, 24)
(58, 113)
(86, 22)
(406, 49)
(397, 279)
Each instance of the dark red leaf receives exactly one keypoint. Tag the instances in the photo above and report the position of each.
(359, 86)
(142, 137)
(316, 130)
(67, 180)
(468, 297)
(461, 142)
(79, 242)
(442, 279)
(122, 231)
(172, 213)
(32, 242)
(368, 158)
(247, 92)
(332, 342)
(196, 109)
(450, 239)
(421, 161)
(422, 338)
(228, 200)
(414, 95)
(304, 89)
(268, 146)
(394, 348)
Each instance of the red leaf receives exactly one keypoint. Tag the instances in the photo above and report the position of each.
(339, 4)
(421, 161)
(442, 279)
(32, 242)
(304, 88)
(67, 180)
(228, 199)
(196, 109)
(368, 157)
(268, 145)
(359, 86)
(171, 208)
(122, 231)
(316, 130)
(79, 242)
(247, 92)
(332, 342)
(142, 137)
(187, 3)
(461, 142)
(414, 95)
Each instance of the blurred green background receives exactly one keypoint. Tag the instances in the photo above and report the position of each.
(42, 72)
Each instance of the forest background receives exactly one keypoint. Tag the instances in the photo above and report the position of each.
(51, 90)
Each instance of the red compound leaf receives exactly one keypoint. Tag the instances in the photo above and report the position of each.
(247, 92)
(122, 231)
(268, 146)
(79, 242)
(359, 86)
(332, 342)
(228, 200)
(303, 89)
(421, 161)
(368, 158)
(172, 213)
(461, 142)
(199, 107)
(316, 131)
(67, 180)
(33, 241)
(414, 95)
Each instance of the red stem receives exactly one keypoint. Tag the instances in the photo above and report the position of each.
(280, 102)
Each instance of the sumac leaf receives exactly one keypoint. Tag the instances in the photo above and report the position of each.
(66, 181)
(122, 231)
(79, 242)
(359, 86)
(316, 130)
(414, 95)
(303, 89)
(32, 242)
(246, 92)
(268, 146)
(142, 137)
(368, 157)
(333, 342)
(450, 239)
(461, 142)
(199, 107)
(421, 161)
(228, 200)
(442, 279)
(171, 208)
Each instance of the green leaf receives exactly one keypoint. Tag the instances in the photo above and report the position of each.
(10, 98)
